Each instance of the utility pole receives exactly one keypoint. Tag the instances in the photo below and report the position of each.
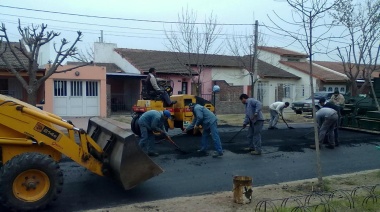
(251, 69)
(255, 60)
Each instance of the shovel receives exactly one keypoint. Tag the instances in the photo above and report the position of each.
(286, 123)
(230, 141)
(176, 146)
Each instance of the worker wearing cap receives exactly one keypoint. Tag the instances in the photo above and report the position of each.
(149, 122)
(255, 119)
(205, 118)
(276, 109)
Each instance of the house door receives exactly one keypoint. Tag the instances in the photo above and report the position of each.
(184, 88)
(76, 98)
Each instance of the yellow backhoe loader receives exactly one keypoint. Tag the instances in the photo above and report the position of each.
(32, 143)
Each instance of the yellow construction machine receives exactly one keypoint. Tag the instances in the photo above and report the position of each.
(33, 141)
(181, 114)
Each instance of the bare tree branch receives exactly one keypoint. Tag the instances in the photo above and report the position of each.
(33, 37)
(193, 43)
(307, 14)
(362, 21)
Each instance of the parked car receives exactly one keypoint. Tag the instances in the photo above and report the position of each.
(306, 105)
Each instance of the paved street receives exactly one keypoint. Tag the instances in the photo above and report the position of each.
(286, 158)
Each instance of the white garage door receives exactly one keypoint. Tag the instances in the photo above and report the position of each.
(76, 98)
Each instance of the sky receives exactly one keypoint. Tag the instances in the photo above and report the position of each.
(141, 24)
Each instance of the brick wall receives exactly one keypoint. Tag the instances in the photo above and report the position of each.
(227, 100)
(230, 107)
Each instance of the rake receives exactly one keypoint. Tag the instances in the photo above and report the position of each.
(286, 123)
(230, 141)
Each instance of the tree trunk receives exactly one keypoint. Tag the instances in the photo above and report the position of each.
(32, 96)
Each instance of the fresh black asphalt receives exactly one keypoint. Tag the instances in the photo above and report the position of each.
(286, 157)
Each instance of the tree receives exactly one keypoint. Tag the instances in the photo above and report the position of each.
(192, 42)
(28, 47)
(308, 15)
(362, 22)
(86, 56)
(243, 48)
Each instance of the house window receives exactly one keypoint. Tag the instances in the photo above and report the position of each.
(287, 90)
(330, 89)
(261, 91)
(60, 88)
(91, 88)
(76, 88)
(184, 87)
(342, 90)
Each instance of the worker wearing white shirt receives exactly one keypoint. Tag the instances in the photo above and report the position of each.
(276, 110)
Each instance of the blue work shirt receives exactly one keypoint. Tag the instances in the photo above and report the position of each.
(202, 116)
(153, 120)
(252, 107)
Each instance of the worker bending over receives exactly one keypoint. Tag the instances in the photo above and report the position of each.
(205, 118)
(276, 110)
(152, 122)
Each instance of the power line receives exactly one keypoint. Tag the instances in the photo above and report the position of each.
(121, 27)
(128, 19)
(101, 25)
(275, 28)
(113, 18)
(82, 23)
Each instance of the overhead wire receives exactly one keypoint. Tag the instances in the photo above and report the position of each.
(114, 18)
(122, 34)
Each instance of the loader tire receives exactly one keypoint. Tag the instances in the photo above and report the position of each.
(135, 125)
(30, 181)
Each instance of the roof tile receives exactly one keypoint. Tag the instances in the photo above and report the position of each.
(11, 58)
(281, 51)
(167, 62)
(318, 72)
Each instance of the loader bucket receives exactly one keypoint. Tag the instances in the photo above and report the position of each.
(128, 163)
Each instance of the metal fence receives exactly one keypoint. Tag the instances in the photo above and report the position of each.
(208, 97)
(319, 201)
(121, 103)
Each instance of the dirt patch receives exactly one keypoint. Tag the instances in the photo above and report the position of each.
(223, 201)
